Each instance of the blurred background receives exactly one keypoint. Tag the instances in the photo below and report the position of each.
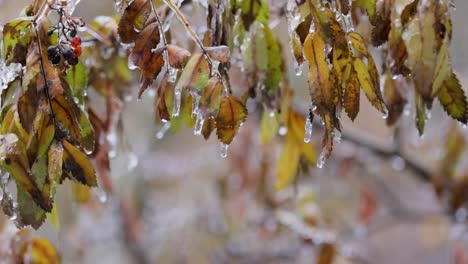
(177, 201)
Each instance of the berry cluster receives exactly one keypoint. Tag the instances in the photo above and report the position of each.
(69, 45)
(69, 51)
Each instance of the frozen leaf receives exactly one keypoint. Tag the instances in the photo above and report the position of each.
(145, 55)
(351, 96)
(232, 113)
(77, 165)
(178, 57)
(196, 73)
(133, 20)
(453, 99)
(77, 79)
(219, 53)
(314, 51)
(368, 84)
(16, 39)
(29, 212)
(442, 67)
(211, 97)
(15, 161)
(288, 163)
(296, 127)
(38, 250)
(274, 73)
(54, 168)
(358, 43)
(27, 108)
(420, 38)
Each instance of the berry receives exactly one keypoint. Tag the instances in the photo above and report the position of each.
(73, 33)
(70, 56)
(53, 55)
(76, 42)
(77, 51)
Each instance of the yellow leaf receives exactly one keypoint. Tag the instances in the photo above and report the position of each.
(38, 251)
(268, 127)
(453, 99)
(314, 51)
(373, 93)
(81, 193)
(351, 96)
(358, 43)
(230, 116)
(288, 162)
(77, 165)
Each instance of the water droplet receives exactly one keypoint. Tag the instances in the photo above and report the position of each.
(398, 163)
(132, 161)
(177, 102)
(197, 130)
(101, 194)
(131, 65)
(163, 130)
(223, 150)
(14, 216)
(336, 136)
(298, 68)
(308, 130)
(195, 102)
(214, 67)
(321, 160)
(283, 130)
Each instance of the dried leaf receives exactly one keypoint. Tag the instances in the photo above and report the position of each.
(393, 100)
(17, 36)
(326, 254)
(219, 53)
(453, 99)
(358, 44)
(133, 19)
(232, 113)
(144, 55)
(210, 100)
(351, 96)
(178, 57)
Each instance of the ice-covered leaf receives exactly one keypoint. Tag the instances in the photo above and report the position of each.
(211, 97)
(368, 85)
(358, 43)
(133, 20)
(178, 56)
(145, 56)
(220, 53)
(77, 79)
(351, 96)
(77, 165)
(29, 212)
(453, 99)
(196, 73)
(232, 113)
(17, 35)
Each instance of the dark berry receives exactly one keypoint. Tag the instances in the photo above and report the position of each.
(73, 33)
(53, 54)
(73, 60)
(70, 56)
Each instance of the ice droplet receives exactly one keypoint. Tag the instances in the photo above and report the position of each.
(101, 195)
(132, 161)
(321, 160)
(223, 150)
(308, 130)
(172, 74)
(131, 65)
(195, 102)
(214, 67)
(336, 136)
(283, 130)
(197, 130)
(398, 163)
(297, 68)
(8, 73)
(163, 130)
(177, 102)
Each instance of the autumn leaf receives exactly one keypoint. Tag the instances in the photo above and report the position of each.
(77, 165)
(38, 250)
(393, 100)
(212, 95)
(178, 56)
(453, 99)
(133, 20)
(77, 79)
(326, 254)
(232, 113)
(351, 96)
(220, 53)
(288, 162)
(17, 35)
(319, 72)
(196, 73)
(358, 44)
(368, 85)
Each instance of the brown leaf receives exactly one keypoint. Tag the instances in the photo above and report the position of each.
(453, 99)
(27, 108)
(232, 113)
(219, 53)
(134, 17)
(326, 254)
(178, 57)
(143, 56)
(208, 126)
(393, 100)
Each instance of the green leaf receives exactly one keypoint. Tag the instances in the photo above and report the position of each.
(274, 73)
(77, 79)
(453, 99)
(30, 213)
(196, 73)
(268, 127)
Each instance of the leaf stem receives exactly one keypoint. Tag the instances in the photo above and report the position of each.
(163, 34)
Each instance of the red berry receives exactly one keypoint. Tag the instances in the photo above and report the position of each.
(77, 51)
(76, 42)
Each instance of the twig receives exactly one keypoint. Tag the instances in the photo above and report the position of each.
(161, 31)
